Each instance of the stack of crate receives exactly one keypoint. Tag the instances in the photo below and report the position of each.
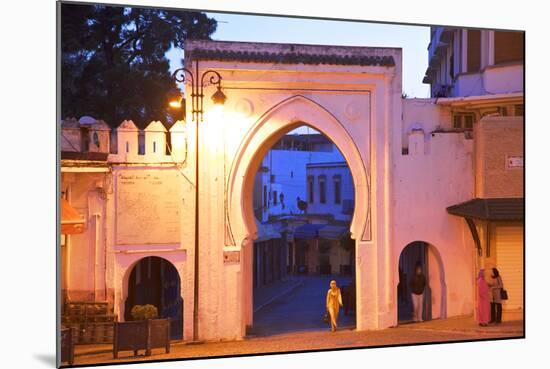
(91, 321)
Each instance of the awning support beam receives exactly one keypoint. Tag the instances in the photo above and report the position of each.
(475, 235)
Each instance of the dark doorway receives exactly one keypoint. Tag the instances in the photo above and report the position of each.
(156, 281)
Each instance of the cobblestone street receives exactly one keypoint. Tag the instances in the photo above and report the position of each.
(452, 329)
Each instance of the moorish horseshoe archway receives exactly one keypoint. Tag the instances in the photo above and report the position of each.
(281, 118)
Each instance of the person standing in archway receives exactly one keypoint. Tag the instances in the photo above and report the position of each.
(334, 302)
(417, 284)
(482, 299)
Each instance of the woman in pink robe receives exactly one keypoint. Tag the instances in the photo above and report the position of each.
(483, 305)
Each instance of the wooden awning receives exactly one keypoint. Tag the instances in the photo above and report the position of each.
(501, 209)
(71, 220)
(491, 210)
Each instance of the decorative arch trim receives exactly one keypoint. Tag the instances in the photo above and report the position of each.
(284, 116)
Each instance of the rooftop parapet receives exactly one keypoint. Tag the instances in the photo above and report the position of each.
(89, 136)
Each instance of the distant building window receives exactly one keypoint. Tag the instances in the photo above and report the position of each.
(337, 189)
(310, 188)
(457, 122)
(468, 120)
(474, 50)
(85, 139)
(272, 178)
(518, 110)
(265, 197)
(274, 197)
(96, 140)
(291, 174)
(463, 121)
(508, 47)
(322, 189)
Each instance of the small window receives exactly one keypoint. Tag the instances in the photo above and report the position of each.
(96, 140)
(272, 178)
(518, 110)
(463, 121)
(154, 146)
(85, 139)
(322, 190)
(337, 189)
(265, 197)
(275, 197)
(457, 122)
(310, 189)
(468, 121)
(127, 146)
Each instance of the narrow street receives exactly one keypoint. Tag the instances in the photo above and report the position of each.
(300, 310)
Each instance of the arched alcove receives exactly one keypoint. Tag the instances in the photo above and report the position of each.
(435, 294)
(156, 281)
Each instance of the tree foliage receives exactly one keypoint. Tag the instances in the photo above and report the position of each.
(113, 59)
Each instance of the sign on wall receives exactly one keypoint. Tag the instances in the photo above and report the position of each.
(148, 205)
(514, 162)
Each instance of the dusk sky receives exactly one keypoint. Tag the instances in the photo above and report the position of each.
(413, 40)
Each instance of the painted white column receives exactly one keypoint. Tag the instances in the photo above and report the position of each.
(366, 278)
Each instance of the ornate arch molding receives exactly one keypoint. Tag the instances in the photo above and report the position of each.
(284, 116)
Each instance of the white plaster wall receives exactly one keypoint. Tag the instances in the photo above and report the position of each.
(425, 183)
(123, 257)
(495, 79)
(504, 79)
(347, 94)
(469, 84)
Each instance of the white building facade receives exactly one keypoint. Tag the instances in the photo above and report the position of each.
(406, 162)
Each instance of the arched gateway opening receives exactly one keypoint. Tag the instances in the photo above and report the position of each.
(303, 204)
(295, 253)
(154, 280)
(434, 298)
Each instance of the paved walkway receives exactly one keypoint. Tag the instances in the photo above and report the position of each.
(267, 294)
(301, 308)
(288, 318)
(452, 329)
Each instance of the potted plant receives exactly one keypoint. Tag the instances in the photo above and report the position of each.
(144, 332)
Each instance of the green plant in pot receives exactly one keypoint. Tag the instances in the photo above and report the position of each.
(145, 332)
(144, 312)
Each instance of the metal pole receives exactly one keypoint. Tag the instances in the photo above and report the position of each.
(196, 274)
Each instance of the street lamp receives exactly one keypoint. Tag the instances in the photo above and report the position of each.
(208, 77)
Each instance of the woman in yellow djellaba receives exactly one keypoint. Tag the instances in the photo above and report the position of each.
(334, 301)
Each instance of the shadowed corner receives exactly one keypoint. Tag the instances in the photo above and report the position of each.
(48, 359)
